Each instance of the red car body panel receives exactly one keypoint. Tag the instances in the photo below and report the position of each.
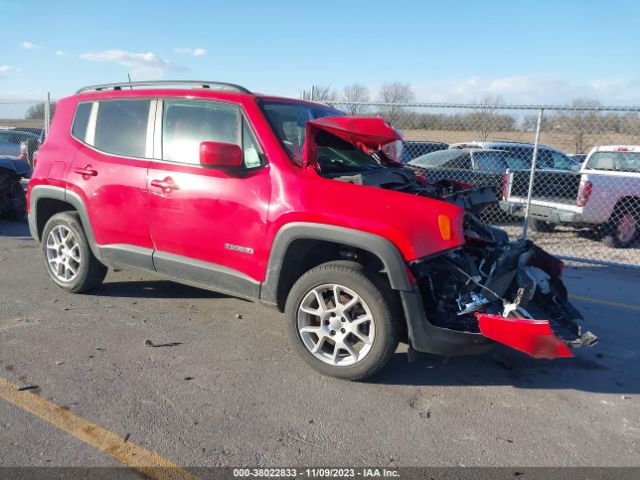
(217, 215)
(207, 210)
(533, 337)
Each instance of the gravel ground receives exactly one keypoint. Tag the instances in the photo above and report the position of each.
(232, 392)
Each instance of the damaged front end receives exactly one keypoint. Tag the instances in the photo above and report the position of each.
(489, 288)
(509, 292)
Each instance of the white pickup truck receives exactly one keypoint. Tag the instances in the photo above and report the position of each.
(604, 194)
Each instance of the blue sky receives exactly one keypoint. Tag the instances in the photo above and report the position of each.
(526, 51)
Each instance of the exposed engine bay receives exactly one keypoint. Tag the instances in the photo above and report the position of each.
(475, 287)
(401, 179)
(509, 291)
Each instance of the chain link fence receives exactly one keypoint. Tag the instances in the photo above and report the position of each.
(23, 126)
(584, 208)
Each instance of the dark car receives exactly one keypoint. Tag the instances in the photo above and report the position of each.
(13, 203)
(474, 166)
(18, 143)
(548, 158)
(413, 149)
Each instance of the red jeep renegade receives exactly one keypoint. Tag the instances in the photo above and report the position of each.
(295, 205)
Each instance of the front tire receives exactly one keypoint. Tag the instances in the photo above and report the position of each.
(343, 320)
(67, 256)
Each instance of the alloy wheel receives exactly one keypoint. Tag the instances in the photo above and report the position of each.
(336, 325)
(63, 253)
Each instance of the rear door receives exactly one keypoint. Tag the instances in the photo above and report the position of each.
(208, 225)
(109, 174)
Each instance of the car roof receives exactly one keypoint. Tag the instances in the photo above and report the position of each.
(462, 151)
(19, 132)
(184, 88)
(617, 148)
(497, 143)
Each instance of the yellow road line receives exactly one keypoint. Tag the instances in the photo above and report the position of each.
(135, 457)
(605, 302)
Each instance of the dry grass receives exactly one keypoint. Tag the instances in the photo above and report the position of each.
(12, 122)
(561, 141)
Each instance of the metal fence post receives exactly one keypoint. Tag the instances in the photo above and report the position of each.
(532, 175)
(47, 114)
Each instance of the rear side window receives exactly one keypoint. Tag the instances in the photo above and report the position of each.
(81, 120)
(121, 127)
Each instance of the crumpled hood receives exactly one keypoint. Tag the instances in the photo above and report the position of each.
(366, 133)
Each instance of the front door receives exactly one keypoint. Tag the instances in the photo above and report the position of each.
(208, 225)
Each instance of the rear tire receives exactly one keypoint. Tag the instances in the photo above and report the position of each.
(622, 230)
(352, 337)
(67, 256)
(542, 226)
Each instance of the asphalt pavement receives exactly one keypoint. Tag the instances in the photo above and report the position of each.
(226, 390)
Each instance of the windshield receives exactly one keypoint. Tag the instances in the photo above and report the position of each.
(615, 161)
(288, 121)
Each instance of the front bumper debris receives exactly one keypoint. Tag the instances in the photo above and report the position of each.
(506, 292)
(530, 336)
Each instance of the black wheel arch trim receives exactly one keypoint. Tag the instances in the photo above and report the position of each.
(423, 335)
(58, 193)
(394, 264)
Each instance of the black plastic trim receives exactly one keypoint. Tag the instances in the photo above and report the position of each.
(209, 275)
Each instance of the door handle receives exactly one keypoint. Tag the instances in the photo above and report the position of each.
(87, 171)
(165, 185)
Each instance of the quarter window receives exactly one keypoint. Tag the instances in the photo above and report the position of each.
(250, 148)
(121, 127)
(81, 120)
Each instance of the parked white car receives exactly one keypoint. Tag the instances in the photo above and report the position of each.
(605, 193)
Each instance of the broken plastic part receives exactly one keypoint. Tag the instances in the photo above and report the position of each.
(533, 337)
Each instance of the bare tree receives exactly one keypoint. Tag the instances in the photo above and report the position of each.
(579, 122)
(320, 93)
(393, 94)
(36, 111)
(486, 117)
(355, 93)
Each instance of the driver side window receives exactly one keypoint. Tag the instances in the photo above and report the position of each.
(187, 123)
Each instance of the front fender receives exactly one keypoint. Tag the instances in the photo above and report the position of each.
(394, 264)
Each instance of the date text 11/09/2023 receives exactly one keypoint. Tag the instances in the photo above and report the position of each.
(315, 472)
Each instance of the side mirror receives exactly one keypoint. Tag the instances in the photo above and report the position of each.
(220, 155)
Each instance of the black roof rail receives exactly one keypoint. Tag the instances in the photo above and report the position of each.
(229, 87)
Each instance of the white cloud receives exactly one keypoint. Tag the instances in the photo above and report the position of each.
(196, 52)
(60, 53)
(531, 89)
(28, 45)
(8, 69)
(141, 65)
